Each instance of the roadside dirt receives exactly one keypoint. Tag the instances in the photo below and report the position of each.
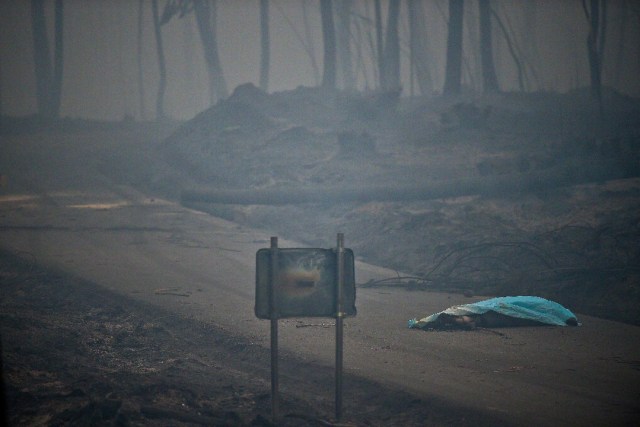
(76, 354)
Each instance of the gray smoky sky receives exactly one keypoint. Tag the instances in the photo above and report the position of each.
(102, 58)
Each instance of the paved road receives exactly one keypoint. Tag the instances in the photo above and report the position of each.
(87, 224)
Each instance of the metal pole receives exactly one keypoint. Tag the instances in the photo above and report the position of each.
(339, 318)
(275, 398)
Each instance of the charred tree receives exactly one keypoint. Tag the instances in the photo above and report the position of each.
(162, 67)
(391, 61)
(48, 75)
(41, 57)
(379, 45)
(562, 175)
(205, 11)
(139, 58)
(1, 111)
(344, 44)
(265, 42)
(489, 77)
(453, 73)
(595, 13)
(329, 41)
(206, 17)
(58, 58)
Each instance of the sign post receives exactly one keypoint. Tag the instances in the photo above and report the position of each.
(273, 279)
(305, 282)
(339, 317)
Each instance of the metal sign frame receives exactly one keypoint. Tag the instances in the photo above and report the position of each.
(299, 282)
(305, 284)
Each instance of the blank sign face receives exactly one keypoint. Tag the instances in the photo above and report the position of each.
(305, 285)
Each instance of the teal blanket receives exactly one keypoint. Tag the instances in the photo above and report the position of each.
(522, 307)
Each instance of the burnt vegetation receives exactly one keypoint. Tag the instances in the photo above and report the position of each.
(489, 196)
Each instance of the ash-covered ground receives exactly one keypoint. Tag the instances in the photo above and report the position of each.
(568, 229)
(496, 195)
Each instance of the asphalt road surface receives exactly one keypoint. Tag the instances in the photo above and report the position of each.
(69, 217)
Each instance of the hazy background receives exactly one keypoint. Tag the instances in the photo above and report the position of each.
(101, 60)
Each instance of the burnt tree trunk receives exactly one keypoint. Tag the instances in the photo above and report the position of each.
(596, 17)
(48, 75)
(344, 44)
(391, 66)
(205, 11)
(265, 42)
(329, 41)
(379, 46)
(453, 74)
(58, 58)
(162, 68)
(41, 57)
(139, 58)
(496, 185)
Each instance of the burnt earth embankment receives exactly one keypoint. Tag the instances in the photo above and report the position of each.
(573, 238)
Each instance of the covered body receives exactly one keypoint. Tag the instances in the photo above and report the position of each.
(501, 311)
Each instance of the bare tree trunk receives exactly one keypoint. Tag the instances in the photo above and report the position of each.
(41, 57)
(139, 58)
(162, 84)
(329, 40)
(344, 44)
(515, 183)
(58, 59)
(1, 111)
(264, 45)
(453, 73)
(221, 83)
(596, 16)
(48, 75)
(205, 11)
(362, 38)
(379, 45)
(489, 78)
(391, 67)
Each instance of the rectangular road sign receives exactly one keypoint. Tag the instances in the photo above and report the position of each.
(305, 284)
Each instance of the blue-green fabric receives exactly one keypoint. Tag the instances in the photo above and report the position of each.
(523, 307)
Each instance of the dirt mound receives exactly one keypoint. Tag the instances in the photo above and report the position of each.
(570, 237)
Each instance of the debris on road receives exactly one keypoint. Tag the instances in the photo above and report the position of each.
(499, 312)
(172, 291)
